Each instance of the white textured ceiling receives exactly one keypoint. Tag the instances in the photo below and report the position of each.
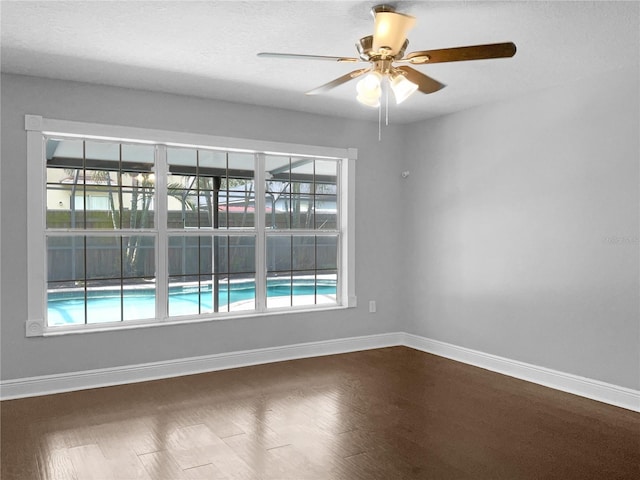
(208, 48)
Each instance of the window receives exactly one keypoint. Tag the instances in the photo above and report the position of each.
(144, 227)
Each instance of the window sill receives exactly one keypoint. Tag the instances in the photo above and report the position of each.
(34, 328)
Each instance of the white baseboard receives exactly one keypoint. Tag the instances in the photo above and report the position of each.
(103, 377)
(566, 382)
(585, 387)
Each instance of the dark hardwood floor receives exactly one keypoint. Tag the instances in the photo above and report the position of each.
(392, 413)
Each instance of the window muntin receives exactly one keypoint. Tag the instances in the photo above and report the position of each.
(120, 216)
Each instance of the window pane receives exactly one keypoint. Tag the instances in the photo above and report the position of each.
(206, 255)
(327, 253)
(241, 165)
(304, 252)
(242, 254)
(104, 301)
(302, 169)
(183, 255)
(61, 191)
(326, 178)
(182, 160)
(138, 202)
(221, 254)
(65, 259)
(212, 163)
(182, 188)
(304, 289)
(238, 203)
(65, 153)
(241, 191)
(326, 212)
(278, 190)
(65, 163)
(103, 257)
(279, 290)
(278, 253)
(327, 287)
(184, 296)
(181, 207)
(139, 256)
(102, 206)
(242, 293)
(301, 211)
(139, 299)
(103, 155)
(278, 169)
(206, 205)
(223, 209)
(65, 303)
(137, 157)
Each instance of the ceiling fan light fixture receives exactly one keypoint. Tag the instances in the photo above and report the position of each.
(385, 48)
(402, 87)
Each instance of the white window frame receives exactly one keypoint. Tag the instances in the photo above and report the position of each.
(38, 127)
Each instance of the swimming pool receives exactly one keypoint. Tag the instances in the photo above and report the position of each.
(107, 305)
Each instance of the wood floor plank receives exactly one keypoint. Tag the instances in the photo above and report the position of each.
(89, 462)
(389, 413)
(162, 466)
(57, 464)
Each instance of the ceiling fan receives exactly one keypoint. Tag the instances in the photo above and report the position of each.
(385, 49)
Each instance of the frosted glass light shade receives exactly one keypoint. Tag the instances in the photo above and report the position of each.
(369, 90)
(369, 85)
(369, 101)
(391, 30)
(402, 88)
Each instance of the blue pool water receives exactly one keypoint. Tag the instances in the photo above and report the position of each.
(68, 307)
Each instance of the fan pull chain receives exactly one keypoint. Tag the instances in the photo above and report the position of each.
(379, 122)
(386, 106)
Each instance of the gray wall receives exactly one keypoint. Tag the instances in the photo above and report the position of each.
(378, 192)
(524, 232)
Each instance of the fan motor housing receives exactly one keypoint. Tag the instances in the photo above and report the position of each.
(366, 53)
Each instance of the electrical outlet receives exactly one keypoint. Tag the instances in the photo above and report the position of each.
(372, 306)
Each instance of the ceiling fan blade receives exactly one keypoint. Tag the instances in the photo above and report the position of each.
(338, 81)
(391, 30)
(309, 57)
(458, 54)
(425, 83)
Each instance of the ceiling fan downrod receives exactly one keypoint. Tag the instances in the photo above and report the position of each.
(382, 8)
